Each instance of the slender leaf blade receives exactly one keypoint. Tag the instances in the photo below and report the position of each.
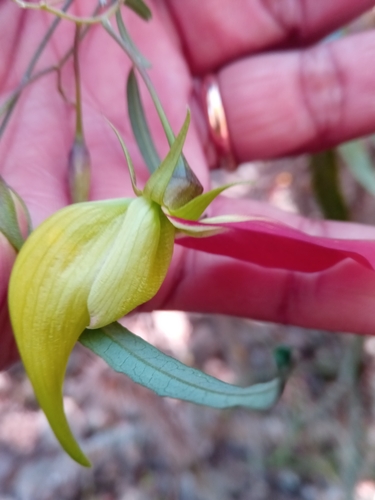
(139, 125)
(184, 185)
(128, 43)
(187, 183)
(129, 354)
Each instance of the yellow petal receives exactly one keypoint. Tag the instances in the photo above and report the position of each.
(136, 265)
(48, 292)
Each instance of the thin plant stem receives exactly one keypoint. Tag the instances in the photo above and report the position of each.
(69, 53)
(135, 60)
(43, 5)
(44, 42)
(12, 101)
(77, 77)
(28, 78)
(79, 156)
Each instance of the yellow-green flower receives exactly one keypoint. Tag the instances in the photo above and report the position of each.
(85, 267)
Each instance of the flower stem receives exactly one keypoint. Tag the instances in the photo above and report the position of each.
(61, 13)
(9, 105)
(79, 157)
(77, 77)
(125, 42)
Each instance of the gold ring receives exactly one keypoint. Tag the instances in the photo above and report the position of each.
(217, 123)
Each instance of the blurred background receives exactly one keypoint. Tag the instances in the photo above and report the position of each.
(318, 442)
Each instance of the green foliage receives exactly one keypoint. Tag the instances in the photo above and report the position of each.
(129, 354)
(139, 124)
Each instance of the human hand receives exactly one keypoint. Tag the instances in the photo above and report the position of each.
(275, 103)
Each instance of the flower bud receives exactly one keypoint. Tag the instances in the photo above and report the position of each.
(79, 171)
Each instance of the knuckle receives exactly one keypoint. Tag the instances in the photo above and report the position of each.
(288, 15)
(288, 299)
(322, 88)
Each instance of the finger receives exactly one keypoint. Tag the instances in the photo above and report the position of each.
(313, 227)
(215, 32)
(285, 103)
(337, 299)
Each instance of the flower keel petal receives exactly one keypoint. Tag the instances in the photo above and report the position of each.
(48, 297)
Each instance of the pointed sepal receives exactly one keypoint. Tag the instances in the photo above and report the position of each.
(157, 184)
(194, 208)
(131, 168)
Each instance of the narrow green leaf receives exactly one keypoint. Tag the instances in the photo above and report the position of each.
(146, 365)
(140, 8)
(139, 125)
(326, 184)
(184, 185)
(157, 184)
(358, 160)
(8, 217)
(129, 45)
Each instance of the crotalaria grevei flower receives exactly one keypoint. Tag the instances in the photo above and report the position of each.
(92, 263)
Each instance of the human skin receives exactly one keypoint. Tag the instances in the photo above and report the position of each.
(282, 95)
